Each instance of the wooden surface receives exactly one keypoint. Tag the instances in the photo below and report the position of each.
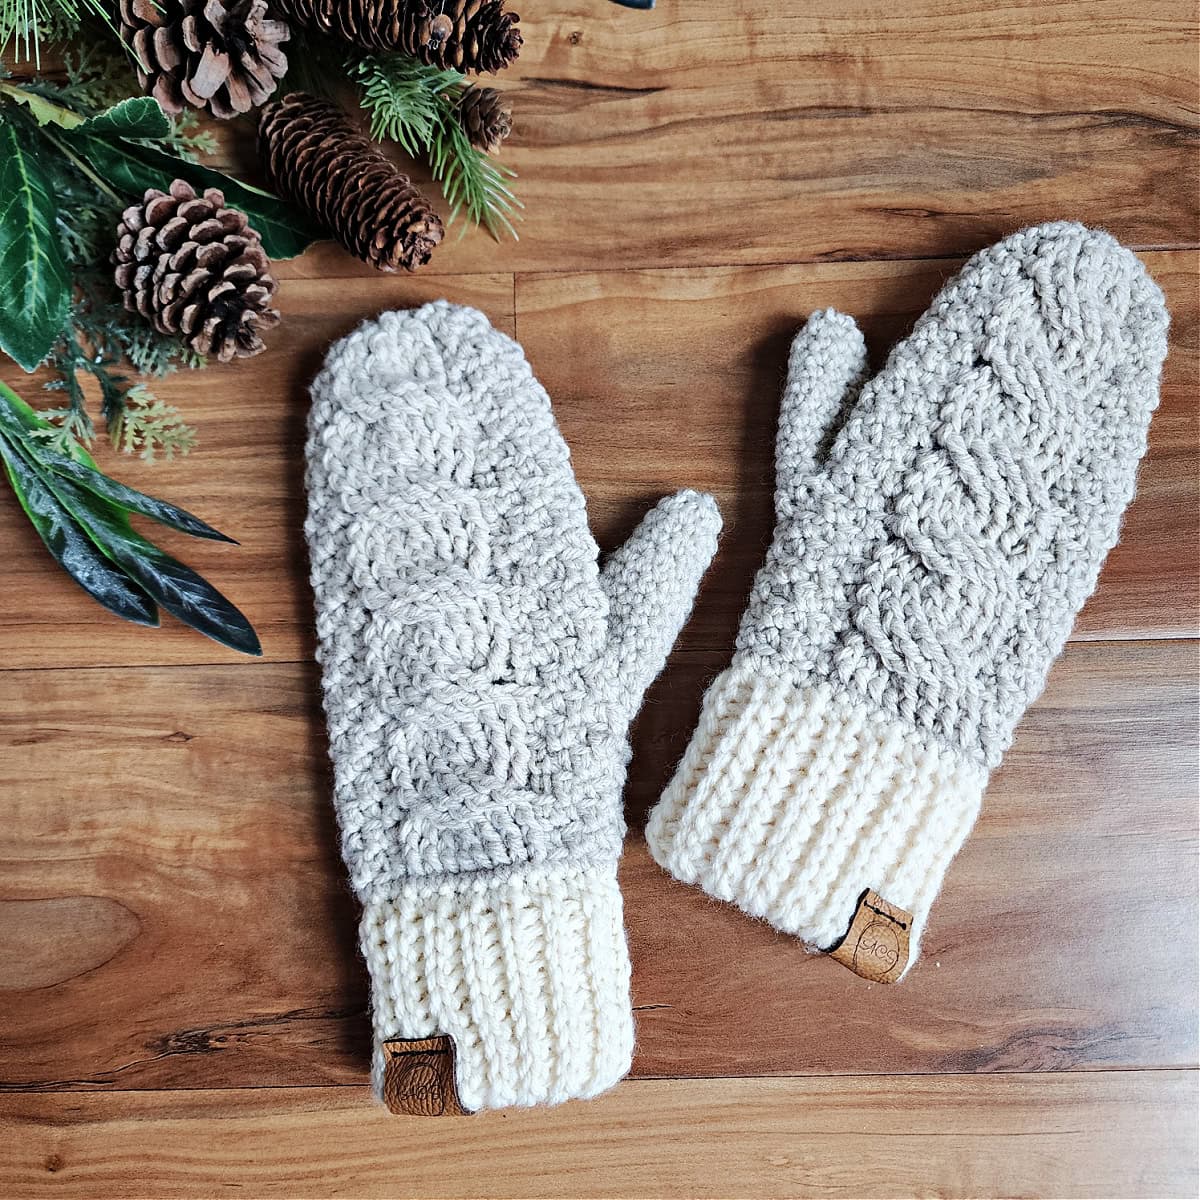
(181, 1007)
(926, 1135)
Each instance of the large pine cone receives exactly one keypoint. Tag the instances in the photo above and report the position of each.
(486, 116)
(467, 35)
(314, 156)
(223, 56)
(195, 268)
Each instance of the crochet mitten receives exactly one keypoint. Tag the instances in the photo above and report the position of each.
(924, 575)
(480, 672)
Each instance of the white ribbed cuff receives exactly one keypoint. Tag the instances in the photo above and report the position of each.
(791, 802)
(529, 975)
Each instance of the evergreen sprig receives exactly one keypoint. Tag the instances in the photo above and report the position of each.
(101, 337)
(59, 135)
(416, 106)
(25, 24)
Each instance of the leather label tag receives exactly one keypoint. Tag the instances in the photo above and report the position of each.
(418, 1077)
(876, 946)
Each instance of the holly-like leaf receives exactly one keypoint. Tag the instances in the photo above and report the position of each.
(133, 168)
(35, 285)
(138, 117)
(70, 546)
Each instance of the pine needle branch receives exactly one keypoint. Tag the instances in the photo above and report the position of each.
(417, 107)
(25, 24)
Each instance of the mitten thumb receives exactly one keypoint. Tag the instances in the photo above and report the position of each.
(650, 583)
(826, 367)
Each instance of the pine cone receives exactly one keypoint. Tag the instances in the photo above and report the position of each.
(223, 56)
(314, 156)
(195, 268)
(467, 35)
(486, 116)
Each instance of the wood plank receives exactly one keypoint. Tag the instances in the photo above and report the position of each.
(749, 132)
(175, 914)
(660, 380)
(1128, 1134)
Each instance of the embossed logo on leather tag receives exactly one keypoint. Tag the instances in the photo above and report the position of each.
(877, 945)
(418, 1077)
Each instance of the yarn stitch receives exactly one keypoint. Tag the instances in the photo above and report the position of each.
(480, 672)
(923, 577)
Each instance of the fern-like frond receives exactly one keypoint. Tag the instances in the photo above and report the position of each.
(148, 426)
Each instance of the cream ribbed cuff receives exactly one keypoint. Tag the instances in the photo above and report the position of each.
(529, 975)
(791, 802)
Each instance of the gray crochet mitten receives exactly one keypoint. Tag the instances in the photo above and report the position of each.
(924, 575)
(480, 672)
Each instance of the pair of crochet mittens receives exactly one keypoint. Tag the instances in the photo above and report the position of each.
(938, 527)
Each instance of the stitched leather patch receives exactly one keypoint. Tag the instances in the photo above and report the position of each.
(876, 946)
(418, 1077)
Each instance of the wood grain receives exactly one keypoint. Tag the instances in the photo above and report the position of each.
(1127, 1134)
(759, 132)
(170, 852)
(181, 1003)
(661, 380)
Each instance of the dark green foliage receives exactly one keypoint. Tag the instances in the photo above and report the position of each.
(83, 518)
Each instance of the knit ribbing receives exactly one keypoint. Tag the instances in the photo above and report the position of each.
(791, 803)
(529, 975)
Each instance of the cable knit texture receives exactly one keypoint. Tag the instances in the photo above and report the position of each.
(480, 672)
(938, 528)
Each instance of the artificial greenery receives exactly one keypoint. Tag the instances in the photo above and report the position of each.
(67, 170)
(25, 24)
(83, 518)
(75, 152)
(73, 155)
(417, 107)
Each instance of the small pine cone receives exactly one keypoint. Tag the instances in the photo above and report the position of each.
(313, 155)
(467, 35)
(223, 56)
(486, 116)
(195, 268)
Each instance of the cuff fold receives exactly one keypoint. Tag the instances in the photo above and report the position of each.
(792, 801)
(528, 975)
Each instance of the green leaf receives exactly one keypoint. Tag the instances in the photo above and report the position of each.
(175, 586)
(71, 547)
(139, 117)
(43, 110)
(129, 499)
(132, 168)
(35, 286)
(149, 570)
